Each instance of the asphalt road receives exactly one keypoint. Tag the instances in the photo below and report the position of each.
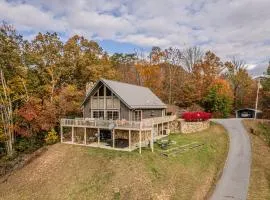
(234, 181)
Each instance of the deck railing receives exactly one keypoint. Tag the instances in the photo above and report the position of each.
(99, 123)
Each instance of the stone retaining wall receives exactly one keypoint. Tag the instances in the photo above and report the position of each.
(191, 127)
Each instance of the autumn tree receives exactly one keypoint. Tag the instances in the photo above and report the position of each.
(265, 102)
(150, 76)
(84, 61)
(205, 72)
(43, 59)
(240, 81)
(219, 98)
(13, 89)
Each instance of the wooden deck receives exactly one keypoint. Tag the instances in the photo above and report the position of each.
(153, 125)
(145, 124)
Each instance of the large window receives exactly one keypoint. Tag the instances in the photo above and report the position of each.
(98, 114)
(114, 115)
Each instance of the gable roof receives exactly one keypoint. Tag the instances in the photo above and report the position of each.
(132, 96)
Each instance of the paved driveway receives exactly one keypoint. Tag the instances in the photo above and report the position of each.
(234, 181)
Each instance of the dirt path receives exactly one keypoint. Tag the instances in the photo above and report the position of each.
(234, 181)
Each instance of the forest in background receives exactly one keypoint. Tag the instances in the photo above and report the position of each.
(45, 79)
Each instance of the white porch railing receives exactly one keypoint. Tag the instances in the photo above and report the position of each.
(144, 124)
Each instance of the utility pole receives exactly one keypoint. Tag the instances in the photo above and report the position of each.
(258, 90)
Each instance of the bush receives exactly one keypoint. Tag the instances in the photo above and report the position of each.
(196, 116)
(26, 144)
(51, 137)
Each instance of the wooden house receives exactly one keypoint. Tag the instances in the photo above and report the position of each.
(113, 100)
(118, 116)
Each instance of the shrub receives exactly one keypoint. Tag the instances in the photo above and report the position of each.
(25, 144)
(196, 116)
(51, 137)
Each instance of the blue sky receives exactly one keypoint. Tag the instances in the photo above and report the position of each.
(229, 28)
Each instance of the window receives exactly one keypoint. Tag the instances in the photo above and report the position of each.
(101, 115)
(95, 114)
(101, 91)
(137, 115)
(114, 115)
(108, 92)
(109, 115)
(98, 114)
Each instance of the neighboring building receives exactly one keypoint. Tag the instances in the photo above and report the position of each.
(248, 113)
(116, 100)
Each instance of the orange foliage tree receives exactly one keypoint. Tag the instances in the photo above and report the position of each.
(150, 76)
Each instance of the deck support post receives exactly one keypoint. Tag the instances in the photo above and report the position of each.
(152, 138)
(129, 139)
(98, 136)
(85, 135)
(140, 143)
(113, 138)
(72, 134)
(61, 133)
(162, 128)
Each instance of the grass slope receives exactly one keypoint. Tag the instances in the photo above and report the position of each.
(259, 187)
(74, 172)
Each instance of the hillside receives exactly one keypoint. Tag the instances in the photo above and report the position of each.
(74, 172)
(260, 170)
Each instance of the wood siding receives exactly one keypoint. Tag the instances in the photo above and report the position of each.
(87, 110)
(124, 111)
(149, 113)
(102, 103)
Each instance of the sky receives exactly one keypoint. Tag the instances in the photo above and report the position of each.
(230, 28)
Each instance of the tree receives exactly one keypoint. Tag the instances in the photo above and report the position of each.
(6, 115)
(265, 97)
(190, 57)
(150, 75)
(219, 98)
(124, 64)
(13, 90)
(172, 58)
(44, 57)
(84, 61)
(240, 81)
(205, 73)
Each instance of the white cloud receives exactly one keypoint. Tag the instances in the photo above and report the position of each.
(229, 28)
(28, 17)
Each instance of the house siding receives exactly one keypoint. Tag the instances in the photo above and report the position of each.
(124, 111)
(87, 109)
(148, 113)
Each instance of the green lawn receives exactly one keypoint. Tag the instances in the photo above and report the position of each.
(259, 187)
(75, 172)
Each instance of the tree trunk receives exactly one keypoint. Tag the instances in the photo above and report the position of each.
(7, 115)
